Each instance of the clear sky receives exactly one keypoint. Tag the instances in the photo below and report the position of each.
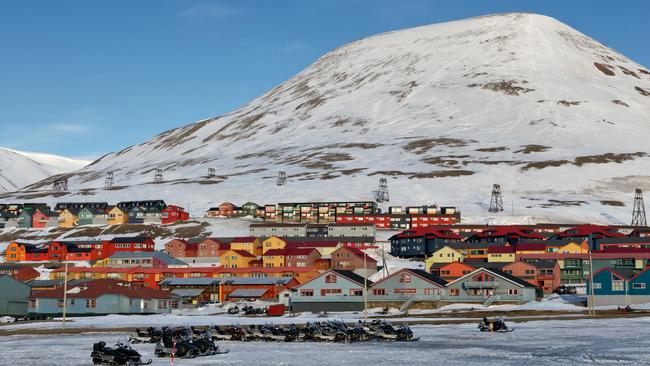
(83, 78)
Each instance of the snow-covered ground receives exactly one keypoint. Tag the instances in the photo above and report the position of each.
(570, 342)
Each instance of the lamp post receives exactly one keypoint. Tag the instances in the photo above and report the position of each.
(592, 306)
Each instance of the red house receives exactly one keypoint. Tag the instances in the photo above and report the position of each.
(42, 219)
(171, 214)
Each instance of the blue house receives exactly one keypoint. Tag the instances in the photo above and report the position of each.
(334, 290)
(620, 287)
(101, 297)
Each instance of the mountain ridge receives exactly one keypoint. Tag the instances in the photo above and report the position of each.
(512, 99)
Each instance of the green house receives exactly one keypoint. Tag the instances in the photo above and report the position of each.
(250, 208)
(25, 219)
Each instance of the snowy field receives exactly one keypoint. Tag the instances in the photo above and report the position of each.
(575, 342)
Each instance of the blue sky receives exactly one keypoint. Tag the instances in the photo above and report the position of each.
(83, 78)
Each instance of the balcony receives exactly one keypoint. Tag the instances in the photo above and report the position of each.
(481, 284)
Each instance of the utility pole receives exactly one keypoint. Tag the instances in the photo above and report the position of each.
(65, 290)
(365, 289)
(592, 306)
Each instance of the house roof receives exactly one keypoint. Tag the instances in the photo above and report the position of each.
(97, 288)
(44, 283)
(188, 292)
(590, 230)
(248, 293)
(191, 281)
(352, 276)
(243, 239)
(478, 263)
(501, 249)
(130, 239)
(419, 273)
(543, 263)
(161, 256)
(249, 281)
(530, 247)
(289, 251)
(438, 232)
(275, 224)
(242, 253)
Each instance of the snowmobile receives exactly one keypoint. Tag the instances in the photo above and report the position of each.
(626, 309)
(182, 349)
(220, 335)
(495, 325)
(205, 346)
(152, 335)
(233, 310)
(121, 355)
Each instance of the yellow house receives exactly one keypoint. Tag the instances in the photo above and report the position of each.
(505, 253)
(273, 242)
(445, 255)
(274, 258)
(234, 258)
(101, 263)
(117, 217)
(249, 244)
(574, 248)
(68, 218)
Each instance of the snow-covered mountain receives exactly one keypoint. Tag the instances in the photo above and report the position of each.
(560, 120)
(18, 169)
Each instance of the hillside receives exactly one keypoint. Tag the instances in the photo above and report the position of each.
(18, 169)
(560, 120)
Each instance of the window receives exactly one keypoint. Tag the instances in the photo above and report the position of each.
(404, 290)
(60, 303)
(330, 278)
(330, 291)
(530, 271)
(598, 285)
(307, 292)
(90, 303)
(618, 285)
(638, 286)
(33, 303)
(431, 291)
(356, 292)
(163, 304)
(405, 278)
(512, 291)
(454, 292)
(379, 291)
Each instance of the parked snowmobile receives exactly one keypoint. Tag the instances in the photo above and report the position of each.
(121, 355)
(626, 309)
(151, 335)
(495, 325)
(233, 310)
(205, 346)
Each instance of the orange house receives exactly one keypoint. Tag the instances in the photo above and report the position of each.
(544, 274)
(452, 271)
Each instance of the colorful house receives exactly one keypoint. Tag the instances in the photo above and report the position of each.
(45, 219)
(574, 248)
(620, 287)
(92, 216)
(445, 254)
(68, 218)
(20, 272)
(290, 257)
(172, 213)
(254, 288)
(251, 209)
(273, 242)
(407, 285)
(334, 290)
(233, 258)
(144, 259)
(8, 220)
(530, 248)
(504, 253)
(353, 259)
(249, 244)
(210, 247)
(450, 271)
(101, 297)
(117, 216)
(24, 220)
(487, 286)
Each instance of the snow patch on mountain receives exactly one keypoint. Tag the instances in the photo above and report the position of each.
(18, 169)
